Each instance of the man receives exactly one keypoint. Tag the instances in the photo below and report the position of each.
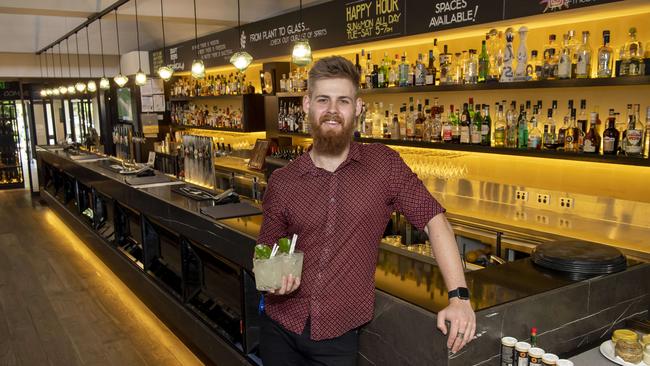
(338, 199)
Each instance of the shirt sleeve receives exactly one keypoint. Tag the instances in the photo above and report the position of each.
(409, 195)
(274, 223)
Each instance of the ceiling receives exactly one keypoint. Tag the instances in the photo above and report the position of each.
(27, 26)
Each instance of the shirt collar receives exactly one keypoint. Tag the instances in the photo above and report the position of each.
(306, 165)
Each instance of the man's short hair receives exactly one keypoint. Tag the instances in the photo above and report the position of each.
(334, 67)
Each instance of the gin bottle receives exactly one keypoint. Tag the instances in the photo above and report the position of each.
(583, 66)
(605, 58)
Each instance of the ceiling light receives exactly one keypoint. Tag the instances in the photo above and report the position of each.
(198, 69)
(92, 86)
(48, 92)
(140, 78)
(55, 92)
(165, 72)
(104, 83)
(120, 80)
(63, 90)
(301, 54)
(71, 89)
(81, 87)
(242, 59)
(43, 92)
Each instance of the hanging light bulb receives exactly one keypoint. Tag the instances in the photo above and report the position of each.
(92, 86)
(55, 92)
(140, 78)
(120, 80)
(63, 90)
(81, 87)
(104, 83)
(165, 72)
(48, 92)
(198, 69)
(43, 92)
(241, 60)
(301, 54)
(71, 89)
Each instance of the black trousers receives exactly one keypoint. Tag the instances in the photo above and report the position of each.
(280, 347)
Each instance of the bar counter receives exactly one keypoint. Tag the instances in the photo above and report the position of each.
(175, 239)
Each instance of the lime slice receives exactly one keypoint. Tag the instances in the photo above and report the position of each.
(262, 251)
(285, 245)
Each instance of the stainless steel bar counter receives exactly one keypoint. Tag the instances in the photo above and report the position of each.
(195, 273)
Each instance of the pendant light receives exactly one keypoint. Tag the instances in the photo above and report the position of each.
(140, 77)
(43, 92)
(71, 89)
(119, 79)
(242, 59)
(198, 68)
(165, 72)
(92, 86)
(103, 82)
(62, 89)
(81, 87)
(301, 54)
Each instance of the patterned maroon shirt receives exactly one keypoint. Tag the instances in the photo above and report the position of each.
(339, 217)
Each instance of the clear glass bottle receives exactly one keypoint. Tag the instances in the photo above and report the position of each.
(446, 70)
(457, 75)
(591, 143)
(572, 135)
(430, 78)
(420, 71)
(511, 121)
(500, 128)
(471, 74)
(534, 135)
(634, 51)
(564, 63)
(646, 135)
(476, 127)
(583, 65)
(534, 67)
(393, 72)
(605, 58)
(634, 134)
(403, 71)
(464, 67)
(550, 138)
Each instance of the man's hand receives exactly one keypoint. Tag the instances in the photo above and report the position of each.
(461, 316)
(289, 285)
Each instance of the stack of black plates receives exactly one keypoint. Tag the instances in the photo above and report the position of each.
(579, 258)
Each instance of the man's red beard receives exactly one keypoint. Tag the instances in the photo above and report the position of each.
(331, 142)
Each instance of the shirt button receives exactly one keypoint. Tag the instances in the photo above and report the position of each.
(332, 200)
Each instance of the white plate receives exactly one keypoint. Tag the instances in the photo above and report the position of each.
(607, 349)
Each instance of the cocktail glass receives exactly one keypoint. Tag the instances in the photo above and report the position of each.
(268, 273)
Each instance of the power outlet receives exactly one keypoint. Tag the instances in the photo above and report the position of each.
(566, 202)
(542, 219)
(520, 215)
(521, 196)
(564, 223)
(543, 199)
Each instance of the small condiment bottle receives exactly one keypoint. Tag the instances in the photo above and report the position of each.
(508, 351)
(549, 359)
(521, 353)
(564, 363)
(535, 355)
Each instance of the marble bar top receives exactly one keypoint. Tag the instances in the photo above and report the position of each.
(405, 277)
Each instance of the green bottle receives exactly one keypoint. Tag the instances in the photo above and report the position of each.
(522, 127)
(483, 64)
(486, 127)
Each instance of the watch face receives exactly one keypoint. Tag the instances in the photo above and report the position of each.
(463, 293)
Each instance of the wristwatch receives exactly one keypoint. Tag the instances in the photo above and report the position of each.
(461, 293)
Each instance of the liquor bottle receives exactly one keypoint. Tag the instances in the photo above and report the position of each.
(393, 72)
(564, 62)
(430, 78)
(611, 135)
(551, 52)
(507, 73)
(455, 125)
(572, 134)
(534, 135)
(387, 124)
(549, 139)
(471, 76)
(470, 108)
(374, 77)
(475, 127)
(419, 124)
(634, 52)
(534, 67)
(583, 65)
(483, 64)
(592, 138)
(410, 123)
(465, 121)
(402, 121)
(582, 115)
(447, 127)
(511, 131)
(435, 50)
(357, 66)
(561, 133)
(457, 67)
(486, 126)
(495, 53)
(646, 135)
(605, 58)
(377, 122)
(437, 125)
(403, 71)
(522, 55)
(395, 129)
(383, 75)
(420, 72)
(633, 136)
(573, 45)
(445, 67)
(500, 128)
(522, 129)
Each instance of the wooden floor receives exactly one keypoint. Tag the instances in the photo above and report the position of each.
(60, 305)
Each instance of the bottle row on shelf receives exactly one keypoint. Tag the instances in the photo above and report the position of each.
(9, 155)
(497, 61)
(191, 114)
(9, 176)
(213, 85)
(579, 131)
